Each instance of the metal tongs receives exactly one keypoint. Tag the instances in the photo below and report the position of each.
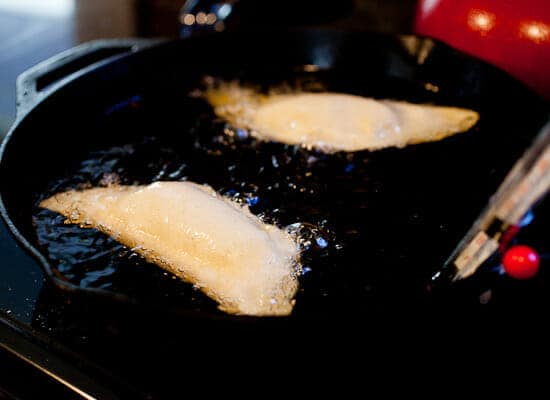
(524, 186)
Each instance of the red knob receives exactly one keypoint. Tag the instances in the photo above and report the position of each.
(521, 262)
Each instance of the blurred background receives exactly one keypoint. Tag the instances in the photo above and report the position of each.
(33, 30)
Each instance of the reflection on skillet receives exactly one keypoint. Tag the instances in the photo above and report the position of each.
(374, 225)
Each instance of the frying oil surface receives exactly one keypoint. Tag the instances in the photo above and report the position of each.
(359, 237)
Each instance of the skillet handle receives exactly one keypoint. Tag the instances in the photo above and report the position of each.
(43, 79)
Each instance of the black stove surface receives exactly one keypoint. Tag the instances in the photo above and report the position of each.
(22, 279)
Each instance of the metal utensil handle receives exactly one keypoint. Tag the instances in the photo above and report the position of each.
(524, 186)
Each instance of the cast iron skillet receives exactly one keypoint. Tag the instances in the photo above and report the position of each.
(388, 219)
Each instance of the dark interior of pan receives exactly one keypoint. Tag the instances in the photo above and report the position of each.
(376, 224)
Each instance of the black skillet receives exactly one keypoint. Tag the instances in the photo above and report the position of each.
(379, 223)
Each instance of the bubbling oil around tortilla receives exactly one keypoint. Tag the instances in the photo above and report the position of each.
(354, 257)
